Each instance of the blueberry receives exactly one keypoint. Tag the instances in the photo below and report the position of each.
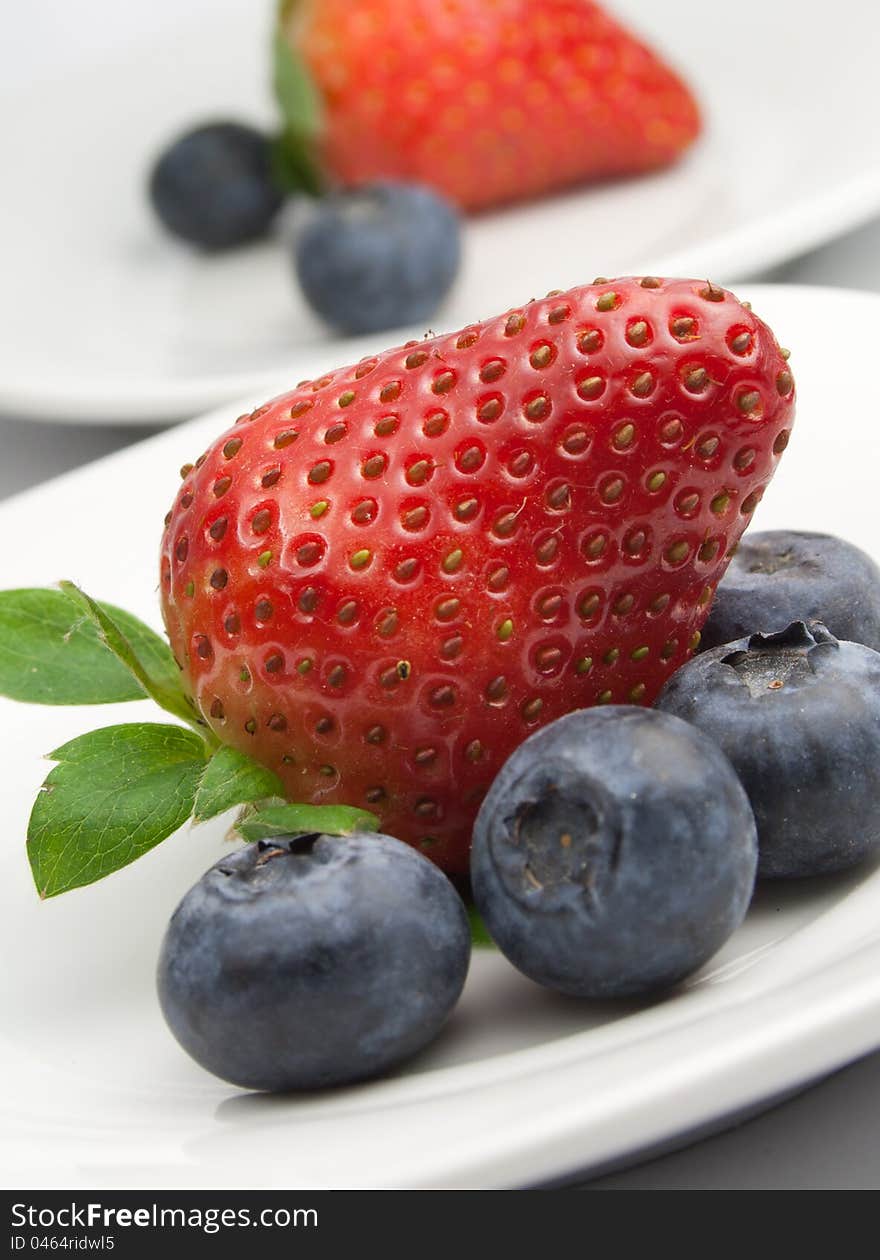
(213, 186)
(303, 962)
(798, 714)
(378, 256)
(779, 577)
(614, 853)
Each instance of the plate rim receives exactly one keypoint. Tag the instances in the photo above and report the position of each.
(248, 389)
(732, 256)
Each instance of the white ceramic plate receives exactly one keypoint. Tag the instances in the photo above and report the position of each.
(523, 1086)
(104, 319)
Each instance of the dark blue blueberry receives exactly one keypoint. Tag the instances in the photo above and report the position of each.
(214, 187)
(798, 714)
(614, 853)
(379, 256)
(314, 961)
(780, 576)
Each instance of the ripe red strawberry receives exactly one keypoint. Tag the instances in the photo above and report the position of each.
(380, 583)
(486, 103)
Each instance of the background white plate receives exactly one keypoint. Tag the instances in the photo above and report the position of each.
(105, 319)
(523, 1086)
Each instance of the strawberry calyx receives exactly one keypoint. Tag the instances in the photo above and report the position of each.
(116, 792)
(295, 168)
(294, 150)
(168, 694)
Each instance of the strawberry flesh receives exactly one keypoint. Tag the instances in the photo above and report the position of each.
(381, 582)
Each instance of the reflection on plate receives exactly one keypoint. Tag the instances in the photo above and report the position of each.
(524, 1086)
(106, 320)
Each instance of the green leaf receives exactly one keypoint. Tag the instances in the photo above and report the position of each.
(281, 820)
(230, 778)
(295, 167)
(146, 657)
(51, 654)
(294, 158)
(294, 90)
(479, 932)
(114, 795)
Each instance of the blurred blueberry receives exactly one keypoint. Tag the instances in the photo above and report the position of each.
(304, 962)
(614, 853)
(782, 576)
(214, 187)
(379, 256)
(798, 714)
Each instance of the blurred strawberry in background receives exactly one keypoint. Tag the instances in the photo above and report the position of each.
(488, 101)
(397, 116)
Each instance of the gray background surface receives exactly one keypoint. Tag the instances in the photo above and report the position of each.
(825, 1138)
